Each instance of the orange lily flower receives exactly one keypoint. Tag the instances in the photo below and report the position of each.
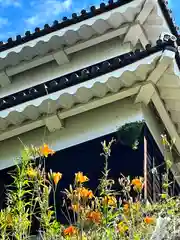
(45, 150)
(149, 220)
(126, 207)
(84, 193)
(94, 216)
(123, 228)
(56, 177)
(80, 178)
(90, 194)
(138, 185)
(70, 231)
(76, 208)
(110, 201)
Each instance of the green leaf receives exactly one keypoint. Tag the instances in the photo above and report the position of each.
(165, 185)
(25, 155)
(168, 163)
(137, 237)
(170, 212)
(164, 195)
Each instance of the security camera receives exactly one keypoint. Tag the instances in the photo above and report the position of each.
(167, 36)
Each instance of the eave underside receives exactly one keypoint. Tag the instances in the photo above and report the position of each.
(153, 79)
(156, 73)
(107, 88)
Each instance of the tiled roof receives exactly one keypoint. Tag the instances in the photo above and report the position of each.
(83, 75)
(79, 18)
(169, 18)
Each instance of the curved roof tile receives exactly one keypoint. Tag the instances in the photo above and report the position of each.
(79, 18)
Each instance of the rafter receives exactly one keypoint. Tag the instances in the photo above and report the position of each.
(146, 92)
(4, 79)
(55, 122)
(135, 34)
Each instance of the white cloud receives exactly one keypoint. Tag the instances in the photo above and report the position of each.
(45, 10)
(3, 22)
(170, 3)
(5, 35)
(6, 3)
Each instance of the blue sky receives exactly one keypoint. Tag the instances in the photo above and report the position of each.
(17, 16)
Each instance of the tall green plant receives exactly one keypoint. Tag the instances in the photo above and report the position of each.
(109, 214)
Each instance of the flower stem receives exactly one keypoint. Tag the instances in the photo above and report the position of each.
(54, 199)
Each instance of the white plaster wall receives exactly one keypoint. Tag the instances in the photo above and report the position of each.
(78, 61)
(78, 129)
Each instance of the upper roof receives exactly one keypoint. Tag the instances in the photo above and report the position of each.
(84, 16)
(133, 21)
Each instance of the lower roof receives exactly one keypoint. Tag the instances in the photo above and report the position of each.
(81, 75)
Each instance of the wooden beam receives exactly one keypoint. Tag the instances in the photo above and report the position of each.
(154, 127)
(96, 40)
(61, 57)
(55, 122)
(144, 13)
(145, 170)
(52, 123)
(23, 66)
(162, 65)
(159, 105)
(156, 130)
(4, 79)
(176, 172)
(26, 127)
(69, 50)
(135, 34)
(99, 102)
(146, 92)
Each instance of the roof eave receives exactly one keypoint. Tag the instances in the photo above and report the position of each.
(145, 33)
